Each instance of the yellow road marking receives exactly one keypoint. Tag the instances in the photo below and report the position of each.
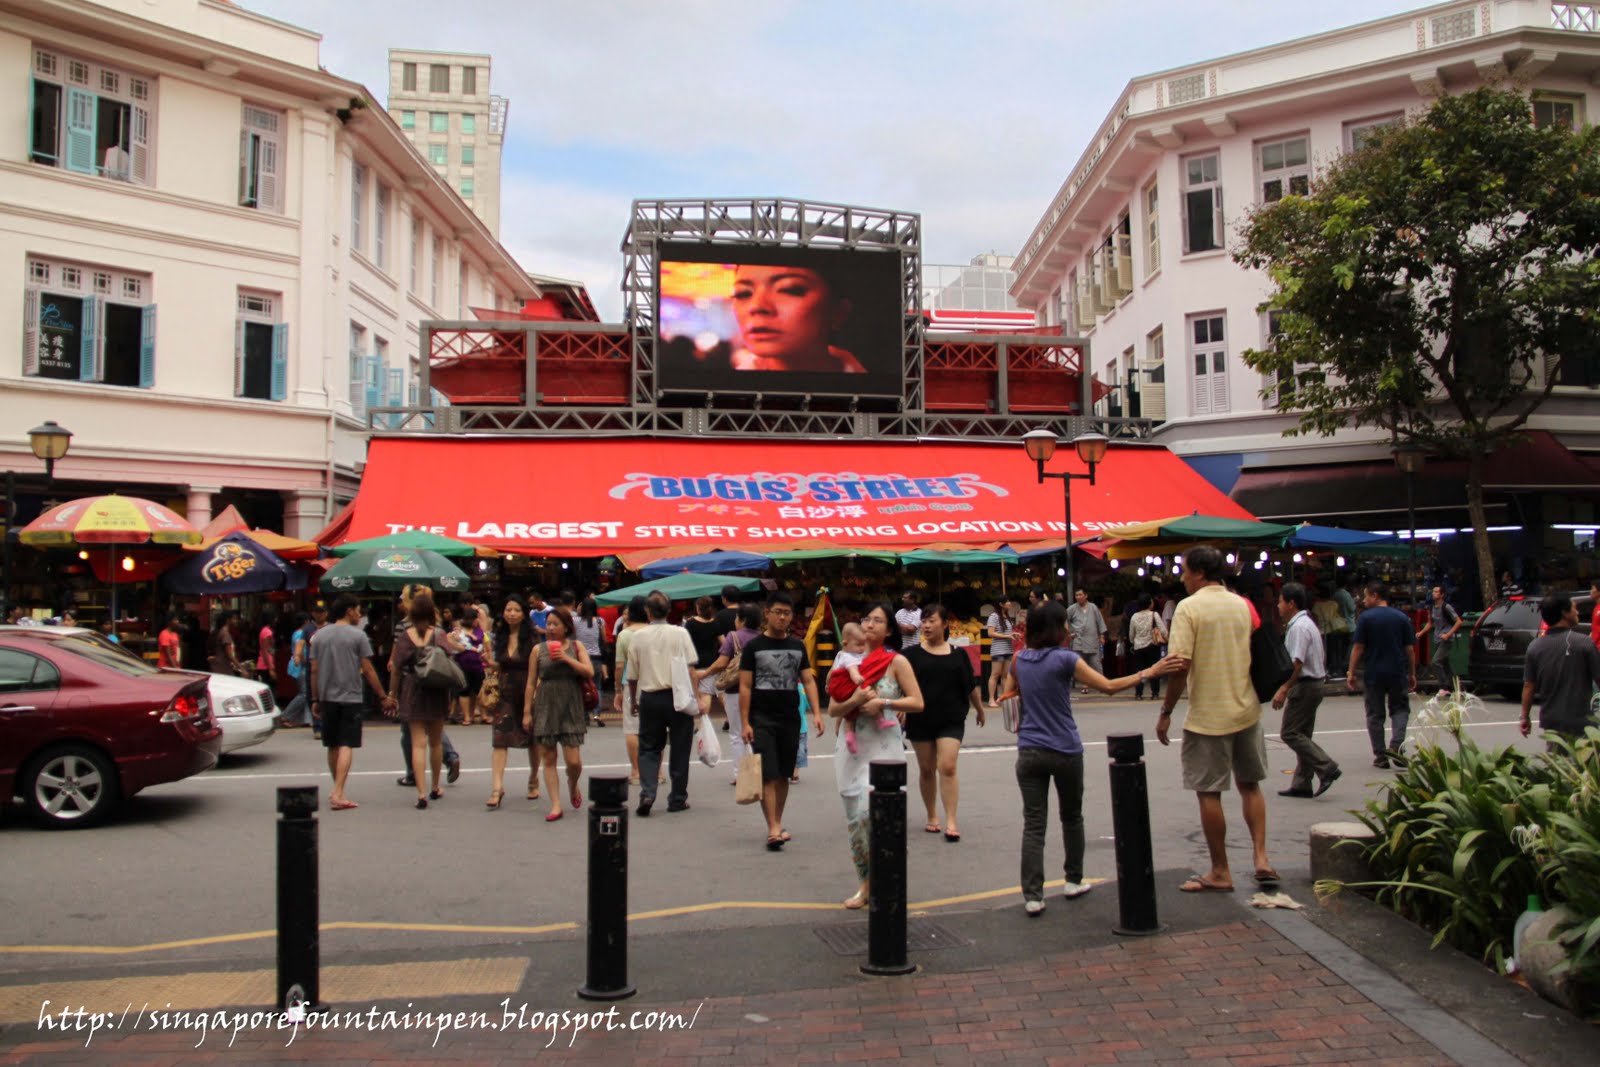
(549, 928)
(215, 989)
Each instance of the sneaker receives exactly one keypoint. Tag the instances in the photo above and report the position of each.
(1075, 889)
(1381, 762)
(453, 770)
(1034, 908)
(405, 780)
(645, 806)
(1399, 760)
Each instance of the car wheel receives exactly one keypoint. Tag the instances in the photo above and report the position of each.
(71, 787)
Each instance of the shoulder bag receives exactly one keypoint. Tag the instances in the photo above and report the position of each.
(728, 678)
(1270, 665)
(435, 669)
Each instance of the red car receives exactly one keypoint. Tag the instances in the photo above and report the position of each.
(83, 726)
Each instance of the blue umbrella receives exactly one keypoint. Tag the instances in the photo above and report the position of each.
(234, 566)
(718, 562)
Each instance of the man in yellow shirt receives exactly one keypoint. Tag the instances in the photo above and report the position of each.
(1222, 736)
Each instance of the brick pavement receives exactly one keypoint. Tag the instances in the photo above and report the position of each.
(1237, 993)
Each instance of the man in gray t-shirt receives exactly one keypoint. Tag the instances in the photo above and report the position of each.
(1088, 629)
(1563, 667)
(341, 657)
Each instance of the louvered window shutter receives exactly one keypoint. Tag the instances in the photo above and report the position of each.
(147, 346)
(247, 191)
(239, 332)
(374, 383)
(89, 345)
(80, 131)
(1219, 383)
(269, 185)
(30, 332)
(280, 361)
(141, 146)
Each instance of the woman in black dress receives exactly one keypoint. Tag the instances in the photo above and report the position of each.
(423, 710)
(514, 641)
(949, 687)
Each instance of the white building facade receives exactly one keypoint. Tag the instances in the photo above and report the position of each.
(1134, 251)
(215, 257)
(442, 102)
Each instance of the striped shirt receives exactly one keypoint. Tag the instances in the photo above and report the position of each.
(1211, 629)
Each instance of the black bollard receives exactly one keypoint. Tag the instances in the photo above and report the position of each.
(886, 911)
(608, 889)
(298, 947)
(1130, 820)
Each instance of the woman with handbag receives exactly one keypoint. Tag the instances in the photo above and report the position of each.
(724, 672)
(422, 708)
(590, 631)
(514, 642)
(889, 685)
(553, 713)
(1146, 635)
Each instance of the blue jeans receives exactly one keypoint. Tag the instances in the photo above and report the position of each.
(450, 753)
(298, 710)
(1391, 692)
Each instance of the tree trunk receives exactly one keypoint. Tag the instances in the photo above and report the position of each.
(1480, 525)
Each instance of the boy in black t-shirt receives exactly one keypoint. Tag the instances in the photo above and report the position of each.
(771, 670)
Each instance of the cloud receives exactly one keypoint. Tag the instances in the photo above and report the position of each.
(970, 113)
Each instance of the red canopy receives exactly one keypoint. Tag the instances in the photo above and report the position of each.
(601, 497)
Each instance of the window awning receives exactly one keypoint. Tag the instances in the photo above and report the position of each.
(566, 497)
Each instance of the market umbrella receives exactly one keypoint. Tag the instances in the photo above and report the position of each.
(109, 520)
(392, 569)
(1355, 542)
(717, 562)
(439, 543)
(678, 587)
(235, 565)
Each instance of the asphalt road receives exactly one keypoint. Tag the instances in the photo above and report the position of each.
(194, 861)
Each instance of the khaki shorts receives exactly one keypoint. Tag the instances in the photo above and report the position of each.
(1211, 761)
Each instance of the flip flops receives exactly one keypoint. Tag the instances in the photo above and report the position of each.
(343, 805)
(1198, 884)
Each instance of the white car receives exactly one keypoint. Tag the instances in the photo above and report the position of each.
(244, 707)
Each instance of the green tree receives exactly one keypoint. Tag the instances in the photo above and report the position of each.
(1434, 282)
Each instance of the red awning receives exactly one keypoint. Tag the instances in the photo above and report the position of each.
(602, 497)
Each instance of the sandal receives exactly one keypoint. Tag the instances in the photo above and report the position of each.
(436, 795)
(1266, 876)
(1198, 884)
(775, 843)
(493, 803)
(857, 902)
(577, 798)
(933, 827)
(553, 816)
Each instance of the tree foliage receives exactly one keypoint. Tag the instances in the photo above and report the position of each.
(1432, 282)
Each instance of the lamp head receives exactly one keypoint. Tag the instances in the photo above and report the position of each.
(49, 440)
(1041, 445)
(1410, 458)
(1091, 447)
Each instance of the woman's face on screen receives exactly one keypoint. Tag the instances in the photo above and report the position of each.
(785, 312)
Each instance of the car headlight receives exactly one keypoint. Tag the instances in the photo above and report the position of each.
(241, 705)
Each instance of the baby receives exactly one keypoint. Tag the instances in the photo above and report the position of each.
(848, 660)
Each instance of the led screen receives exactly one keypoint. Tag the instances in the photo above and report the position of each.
(779, 320)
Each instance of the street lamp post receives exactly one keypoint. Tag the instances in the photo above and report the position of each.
(49, 442)
(1410, 459)
(1091, 449)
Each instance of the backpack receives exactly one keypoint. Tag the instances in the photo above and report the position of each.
(1270, 665)
(435, 669)
(728, 678)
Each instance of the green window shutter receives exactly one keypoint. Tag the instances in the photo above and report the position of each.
(80, 131)
(30, 332)
(89, 345)
(147, 347)
(280, 361)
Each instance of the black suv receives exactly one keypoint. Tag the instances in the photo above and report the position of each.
(1501, 638)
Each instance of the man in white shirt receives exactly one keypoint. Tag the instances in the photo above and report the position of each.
(1088, 629)
(1301, 694)
(909, 617)
(649, 670)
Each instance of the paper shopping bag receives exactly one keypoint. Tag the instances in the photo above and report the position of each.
(747, 787)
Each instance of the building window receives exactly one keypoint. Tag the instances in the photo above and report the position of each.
(1153, 391)
(1276, 386)
(1557, 109)
(408, 77)
(358, 204)
(1208, 355)
(261, 159)
(359, 363)
(469, 124)
(93, 121)
(1152, 229)
(1577, 362)
(468, 155)
(416, 252)
(260, 348)
(1357, 135)
(380, 226)
(438, 78)
(1202, 203)
(469, 81)
(438, 154)
(438, 268)
(408, 120)
(1283, 168)
(466, 188)
(88, 324)
(438, 122)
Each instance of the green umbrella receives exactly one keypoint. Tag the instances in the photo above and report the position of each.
(801, 554)
(392, 569)
(957, 555)
(444, 546)
(678, 587)
(1215, 528)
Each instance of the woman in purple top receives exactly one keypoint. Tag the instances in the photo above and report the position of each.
(467, 641)
(732, 647)
(1048, 746)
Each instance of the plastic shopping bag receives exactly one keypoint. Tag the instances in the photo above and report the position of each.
(706, 745)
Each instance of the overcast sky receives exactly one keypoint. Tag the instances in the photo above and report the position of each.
(970, 112)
